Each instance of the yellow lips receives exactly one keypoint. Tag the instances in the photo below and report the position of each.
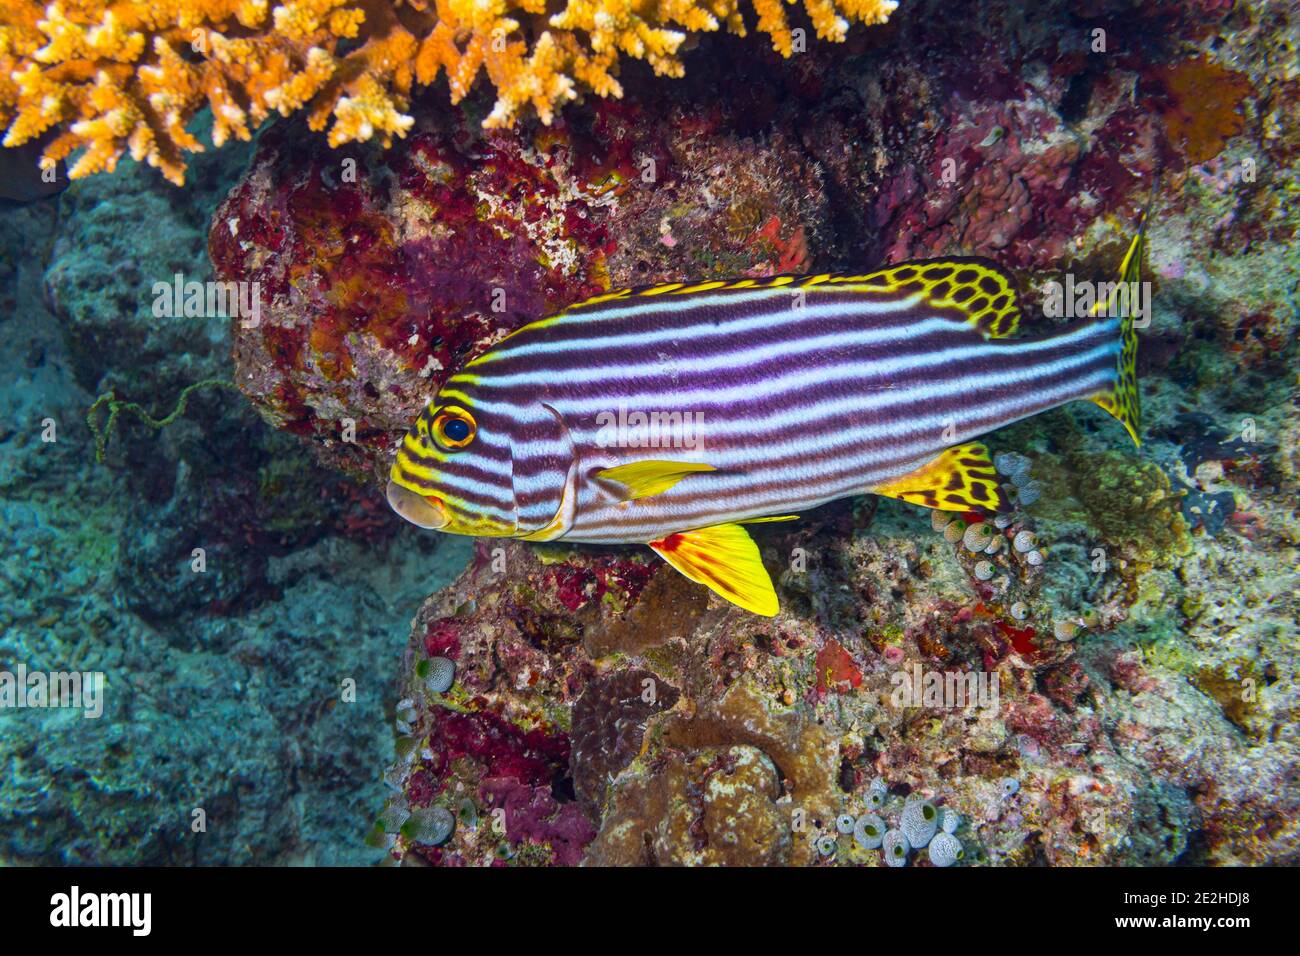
(417, 509)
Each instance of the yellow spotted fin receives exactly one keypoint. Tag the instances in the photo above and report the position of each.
(961, 479)
(1122, 400)
(983, 292)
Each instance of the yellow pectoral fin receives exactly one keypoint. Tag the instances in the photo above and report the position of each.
(961, 479)
(641, 479)
(769, 520)
(725, 559)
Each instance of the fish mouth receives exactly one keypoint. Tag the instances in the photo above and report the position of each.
(421, 511)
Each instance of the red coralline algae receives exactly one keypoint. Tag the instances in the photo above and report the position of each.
(836, 669)
(616, 576)
(442, 639)
(533, 757)
(532, 815)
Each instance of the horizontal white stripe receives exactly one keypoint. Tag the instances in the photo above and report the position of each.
(786, 347)
(722, 326)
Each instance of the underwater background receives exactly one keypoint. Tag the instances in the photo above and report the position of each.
(329, 685)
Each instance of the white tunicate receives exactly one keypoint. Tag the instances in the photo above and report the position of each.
(1011, 464)
(869, 831)
(1024, 541)
(954, 531)
(896, 848)
(1021, 478)
(945, 849)
(1065, 630)
(844, 823)
(919, 821)
(984, 570)
(1003, 521)
(826, 845)
(1009, 785)
(977, 537)
(1020, 610)
(1029, 493)
(1035, 558)
(431, 825)
(996, 544)
(940, 519)
(950, 820)
(442, 674)
(393, 816)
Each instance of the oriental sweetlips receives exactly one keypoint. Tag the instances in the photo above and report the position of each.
(751, 400)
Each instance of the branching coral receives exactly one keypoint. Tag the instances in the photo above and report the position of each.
(114, 76)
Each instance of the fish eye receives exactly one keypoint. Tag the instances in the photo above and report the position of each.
(453, 428)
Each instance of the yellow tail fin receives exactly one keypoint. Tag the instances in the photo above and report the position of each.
(1122, 400)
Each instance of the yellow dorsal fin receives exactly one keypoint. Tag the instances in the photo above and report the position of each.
(981, 290)
(961, 479)
(725, 559)
(642, 479)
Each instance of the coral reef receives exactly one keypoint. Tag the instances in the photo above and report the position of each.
(119, 77)
(1101, 677)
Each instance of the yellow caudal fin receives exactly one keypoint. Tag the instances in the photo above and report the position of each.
(983, 292)
(1122, 399)
(961, 479)
(642, 479)
(725, 559)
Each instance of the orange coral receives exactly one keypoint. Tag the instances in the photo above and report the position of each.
(1201, 106)
(115, 76)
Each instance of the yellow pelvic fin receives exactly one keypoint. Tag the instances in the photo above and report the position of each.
(1122, 400)
(725, 559)
(642, 479)
(983, 292)
(961, 479)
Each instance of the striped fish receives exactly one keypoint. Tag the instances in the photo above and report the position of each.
(674, 415)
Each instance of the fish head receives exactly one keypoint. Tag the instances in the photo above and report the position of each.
(452, 472)
(458, 467)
